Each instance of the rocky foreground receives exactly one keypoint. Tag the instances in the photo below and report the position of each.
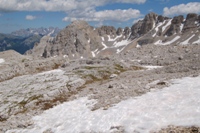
(29, 86)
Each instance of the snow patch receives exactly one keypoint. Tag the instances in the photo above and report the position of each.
(51, 32)
(120, 50)
(2, 60)
(102, 38)
(105, 46)
(93, 54)
(159, 42)
(138, 46)
(114, 39)
(187, 41)
(156, 29)
(89, 40)
(152, 67)
(122, 43)
(175, 105)
(181, 27)
(197, 41)
(154, 25)
(64, 56)
(165, 26)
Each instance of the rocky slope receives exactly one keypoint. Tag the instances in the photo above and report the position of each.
(79, 40)
(27, 87)
(76, 64)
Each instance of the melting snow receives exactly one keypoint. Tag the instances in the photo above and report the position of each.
(152, 67)
(138, 46)
(64, 56)
(187, 41)
(159, 42)
(105, 46)
(51, 32)
(122, 43)
(165, 26)
(102, 38)
(181, 27)
(120, 50)
(156, 29)
(177, 105)
(110, 39)
(93, 54)
(197, 41)
(2, 60)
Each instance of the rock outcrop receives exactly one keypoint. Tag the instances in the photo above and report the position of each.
(191, 22)
(175, 25)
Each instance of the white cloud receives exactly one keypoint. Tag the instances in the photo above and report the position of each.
(57, 5)
(130, 1)
(114, 15)
(75, 9)
(30, 17)
(136, 20)
(192, 7)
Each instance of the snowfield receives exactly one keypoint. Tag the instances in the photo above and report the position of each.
(178, 104)
(2, 60)
(187, 41)
(159, 42)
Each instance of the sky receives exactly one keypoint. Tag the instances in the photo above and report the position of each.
(22, 14)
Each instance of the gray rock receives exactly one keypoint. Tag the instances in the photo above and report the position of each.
(175, 25)
(190, 22)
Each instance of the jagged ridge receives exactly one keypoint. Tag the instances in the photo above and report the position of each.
(80, 40)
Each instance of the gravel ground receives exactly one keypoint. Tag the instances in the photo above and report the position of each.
(109, 80)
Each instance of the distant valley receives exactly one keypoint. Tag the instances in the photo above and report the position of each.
(24, 39)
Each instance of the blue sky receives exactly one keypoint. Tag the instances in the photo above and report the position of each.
(22, 14)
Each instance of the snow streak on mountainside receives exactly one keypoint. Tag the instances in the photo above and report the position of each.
(175, 105)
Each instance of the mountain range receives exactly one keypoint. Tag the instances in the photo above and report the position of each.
(143, 78)
(24, 39)
(80, 40)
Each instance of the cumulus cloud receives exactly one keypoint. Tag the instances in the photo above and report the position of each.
(136, 20)
(30, 17)
(192, 7)
(114, 15)
(74, 9)
(57, 5)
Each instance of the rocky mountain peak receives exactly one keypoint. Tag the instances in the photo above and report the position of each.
(191, 22)
(145, 25)
(79, 24)
(108, 30)
(175, 25)
(148, 23)
(161, 18)
(151, 16)
(80, 40)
